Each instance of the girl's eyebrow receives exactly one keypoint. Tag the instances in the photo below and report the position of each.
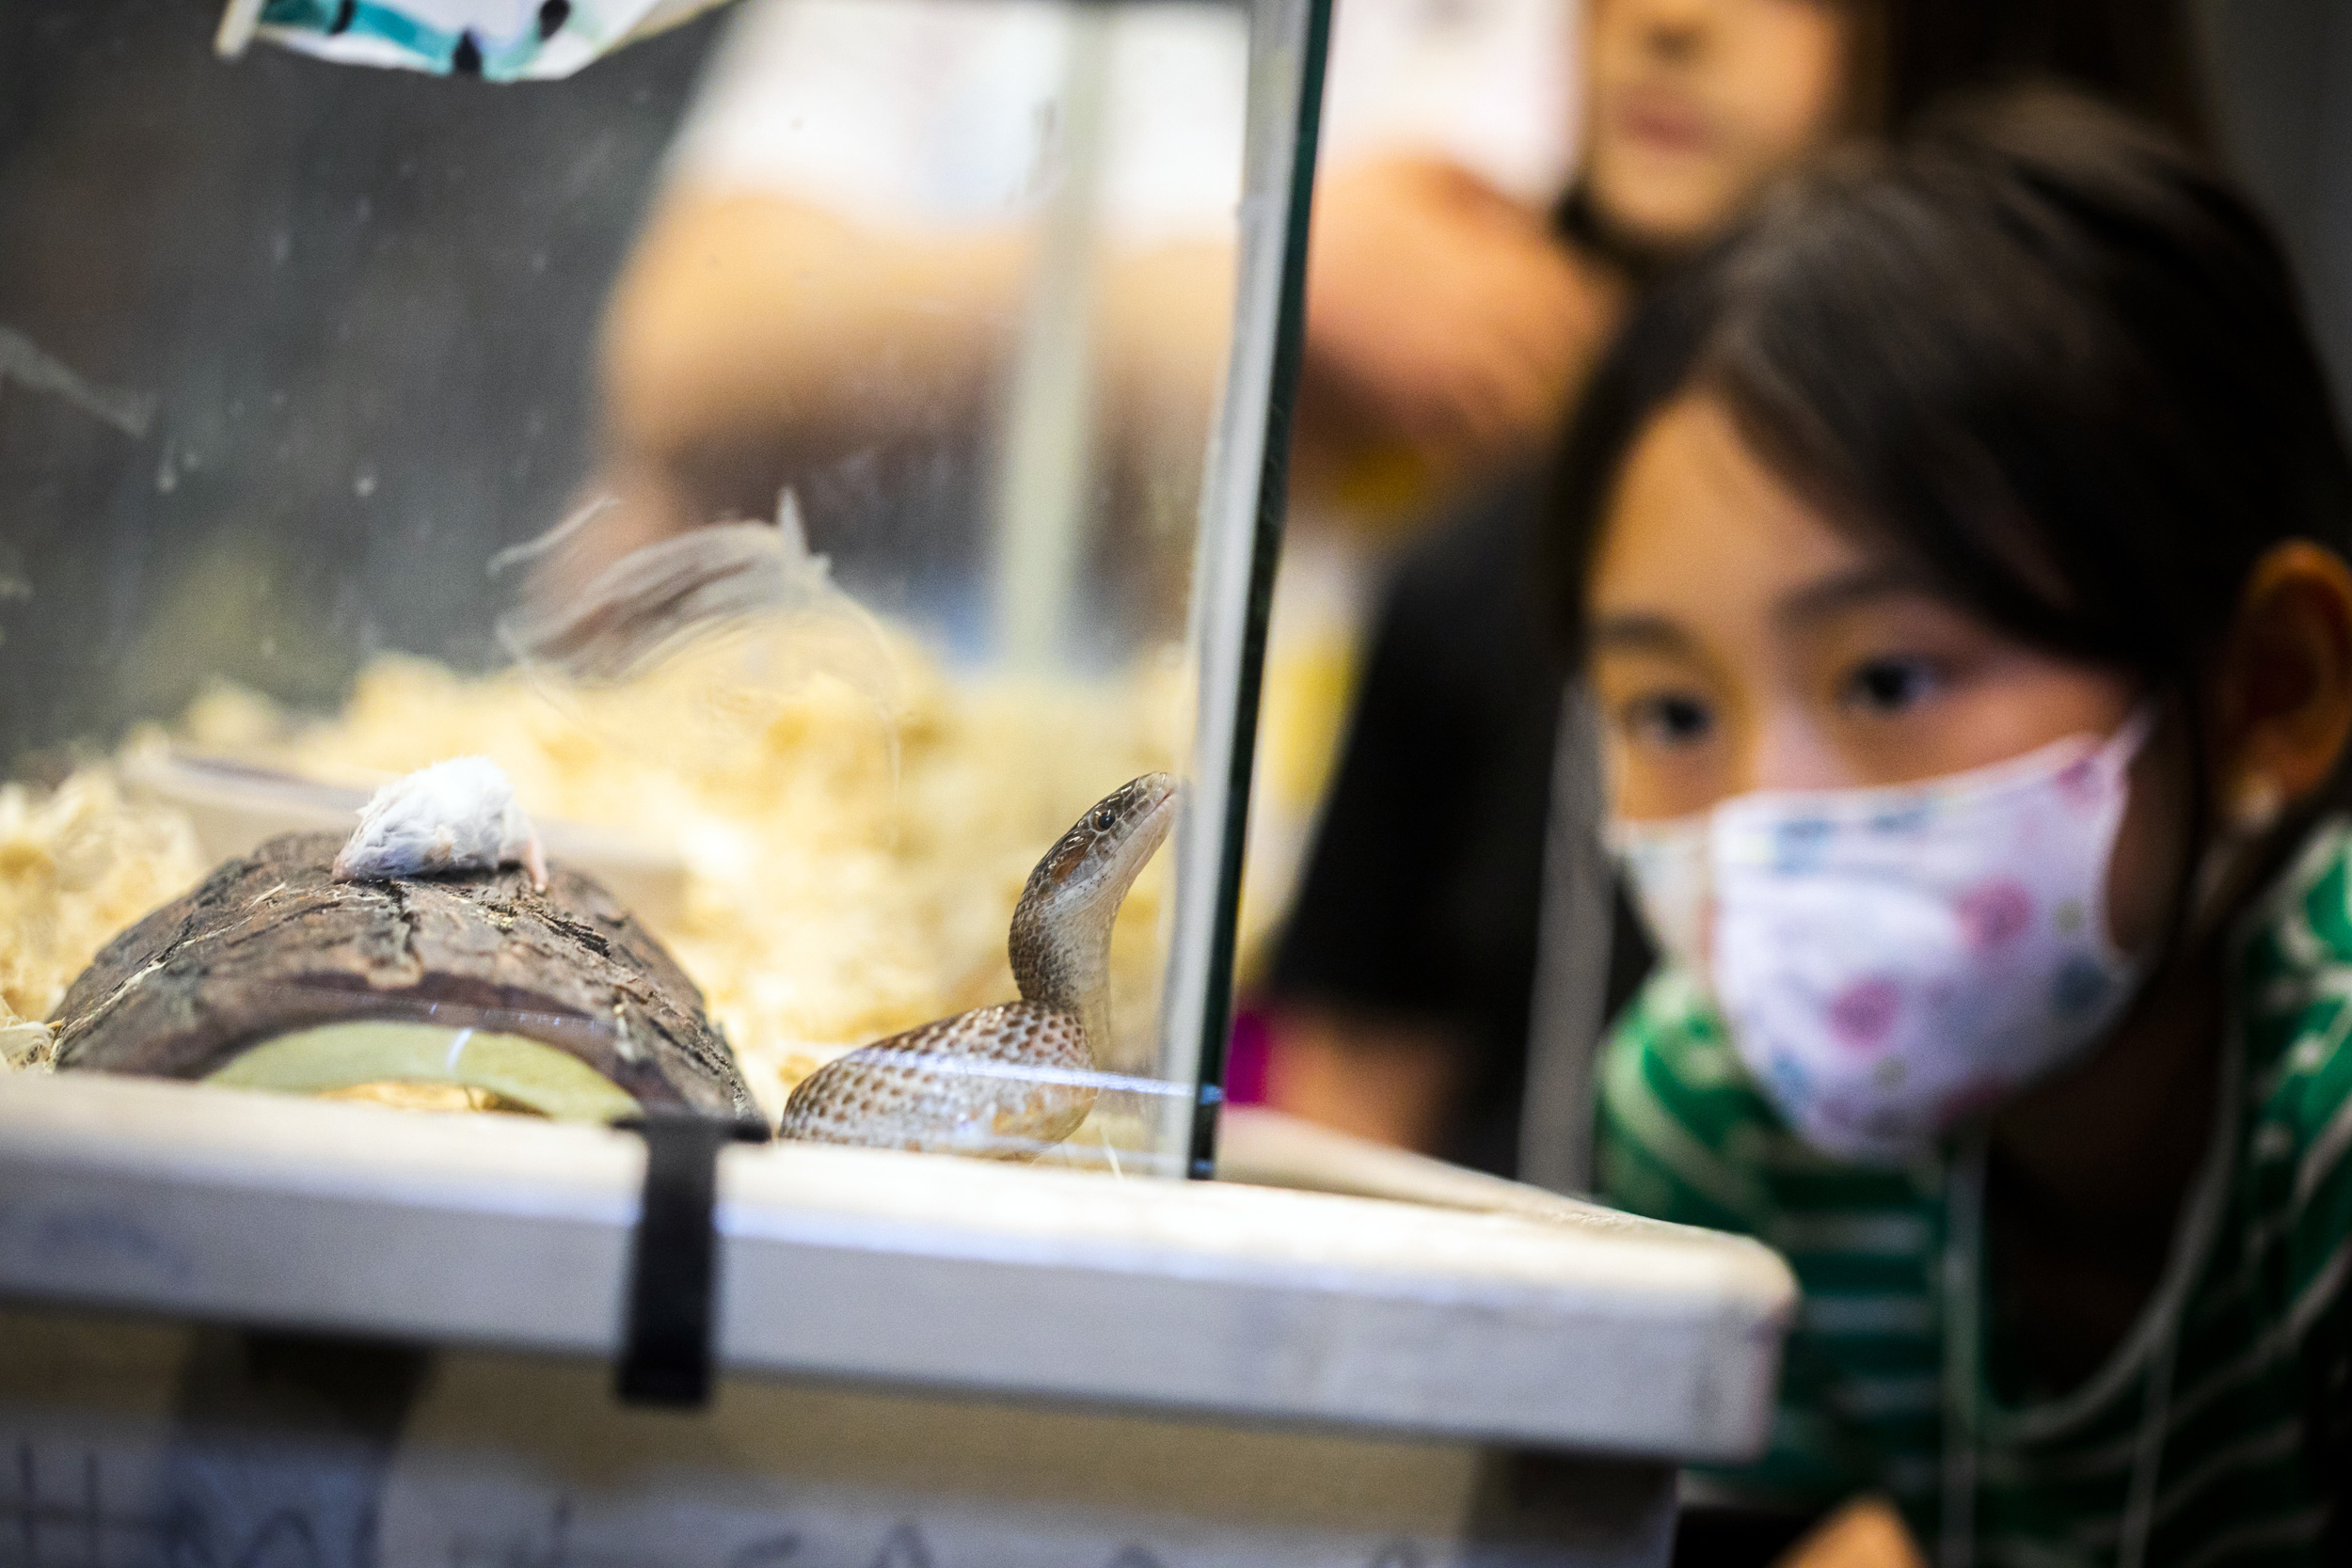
(1843, 591)
(1640, 631)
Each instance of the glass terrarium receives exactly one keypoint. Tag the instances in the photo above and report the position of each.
(818, 454)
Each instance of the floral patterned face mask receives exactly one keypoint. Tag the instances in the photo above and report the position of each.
(1892, 961)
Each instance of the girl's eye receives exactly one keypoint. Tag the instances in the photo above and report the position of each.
(1891, 686)
(1673, 719)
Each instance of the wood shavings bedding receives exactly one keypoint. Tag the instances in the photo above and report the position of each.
(77, 863)
(850, 873)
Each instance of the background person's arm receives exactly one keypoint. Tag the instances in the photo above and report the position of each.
(755, 331)
(1448, 329)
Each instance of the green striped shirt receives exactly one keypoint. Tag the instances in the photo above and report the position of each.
(2218, 1432)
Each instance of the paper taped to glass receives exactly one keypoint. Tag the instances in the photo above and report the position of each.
(499, 41)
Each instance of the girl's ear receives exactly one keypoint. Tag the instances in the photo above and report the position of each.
(2282, 695)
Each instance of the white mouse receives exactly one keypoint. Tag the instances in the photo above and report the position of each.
(454, 815)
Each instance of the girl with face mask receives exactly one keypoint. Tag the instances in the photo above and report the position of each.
(1960, 556)
(1461, 329)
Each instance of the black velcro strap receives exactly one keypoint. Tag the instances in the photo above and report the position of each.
(665, 1350)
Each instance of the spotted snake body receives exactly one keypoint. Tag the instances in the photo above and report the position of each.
(1012, 1080)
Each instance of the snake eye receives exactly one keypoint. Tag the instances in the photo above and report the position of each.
(1105, 819)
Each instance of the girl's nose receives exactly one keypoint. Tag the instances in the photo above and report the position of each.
(1781, 750)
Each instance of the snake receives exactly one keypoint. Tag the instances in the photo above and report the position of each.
(1009, 1081)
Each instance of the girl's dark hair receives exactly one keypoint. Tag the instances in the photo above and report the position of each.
(2037, 348)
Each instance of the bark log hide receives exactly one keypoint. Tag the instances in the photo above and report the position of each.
(272, 943)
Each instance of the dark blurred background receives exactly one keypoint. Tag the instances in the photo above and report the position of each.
(2280, 72)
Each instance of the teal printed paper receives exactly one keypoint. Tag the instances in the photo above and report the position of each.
(499, 41)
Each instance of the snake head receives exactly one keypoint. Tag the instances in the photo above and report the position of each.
(1099, 858)
(1061, 932)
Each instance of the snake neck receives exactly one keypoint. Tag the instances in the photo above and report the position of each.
(1061, 929)
(1062, 958)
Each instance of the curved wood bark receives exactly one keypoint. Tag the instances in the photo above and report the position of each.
(271, 943)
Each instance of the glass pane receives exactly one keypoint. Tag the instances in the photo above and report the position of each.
(781, 448)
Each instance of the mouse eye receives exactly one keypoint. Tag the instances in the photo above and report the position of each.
(1105, 819)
